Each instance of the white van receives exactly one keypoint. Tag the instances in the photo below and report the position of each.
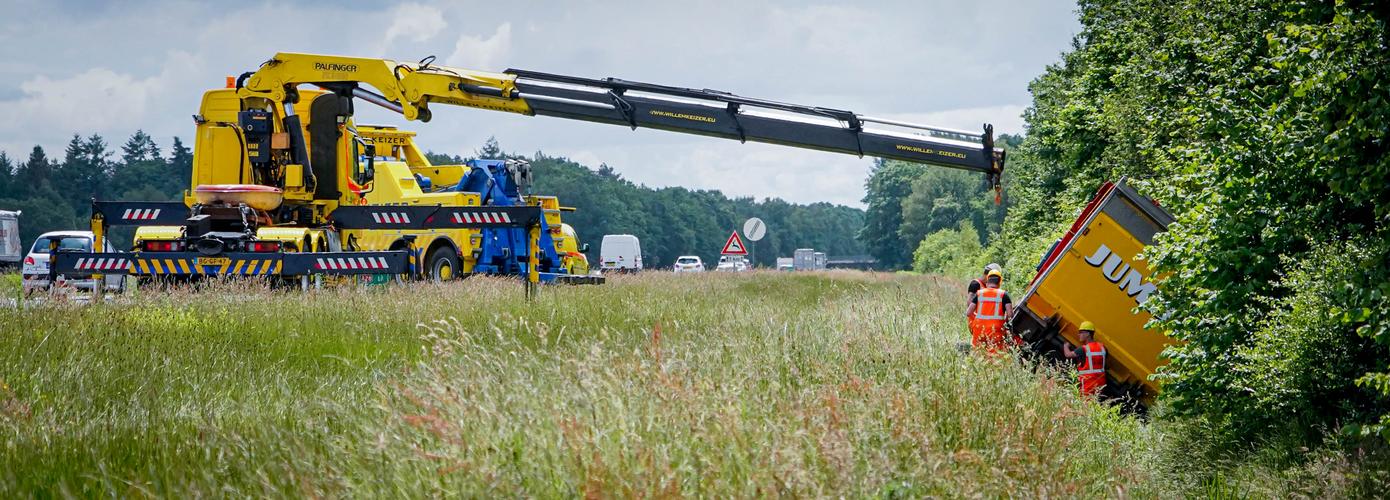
(620, 253)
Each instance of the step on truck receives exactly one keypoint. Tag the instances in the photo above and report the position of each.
(1092, 274)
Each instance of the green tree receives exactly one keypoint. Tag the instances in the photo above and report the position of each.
(44, 210)
(33, 173)
(180, 168)
(949, 251)
(7, 176)
(443, 159)
(490, 151)
(888, 184)
(139, 148)
(141, 174)
(86, 171)
(942, 198)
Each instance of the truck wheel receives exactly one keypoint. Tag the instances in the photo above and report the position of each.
(441, 265)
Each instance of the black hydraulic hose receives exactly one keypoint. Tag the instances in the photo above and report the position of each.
(240, 80)
(241, 159)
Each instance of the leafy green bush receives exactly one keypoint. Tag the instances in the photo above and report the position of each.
(952, 252)
(1303, 363)
(1283, 186)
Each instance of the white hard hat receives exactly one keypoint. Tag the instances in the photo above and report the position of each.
(993, 267)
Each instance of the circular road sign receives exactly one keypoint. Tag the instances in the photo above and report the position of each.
(754, 229)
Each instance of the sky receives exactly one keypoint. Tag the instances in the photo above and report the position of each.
(111, 68)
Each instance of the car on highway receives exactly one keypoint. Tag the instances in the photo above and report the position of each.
(620, 253)
(730, 263)
(35, 269)
(689, 264)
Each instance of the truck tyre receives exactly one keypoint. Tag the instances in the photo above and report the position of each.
(441, 265)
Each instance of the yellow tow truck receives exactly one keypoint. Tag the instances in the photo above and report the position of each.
(285, 183)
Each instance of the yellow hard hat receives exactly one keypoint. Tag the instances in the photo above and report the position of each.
(1087, 326)
(995, 273)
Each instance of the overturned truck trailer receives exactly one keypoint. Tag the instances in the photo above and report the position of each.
(1092, 274)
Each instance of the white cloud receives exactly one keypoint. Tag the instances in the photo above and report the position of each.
(96, 98)
(483, 54)
(837, 30)
(414, 22)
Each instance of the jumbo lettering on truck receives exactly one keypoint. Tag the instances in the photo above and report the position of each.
(1094, 274)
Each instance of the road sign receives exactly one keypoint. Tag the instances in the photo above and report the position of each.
(734, 246)
(754, 229)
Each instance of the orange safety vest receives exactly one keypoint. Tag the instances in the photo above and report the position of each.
(1091, 371)
(988, 320)
(971, 320)
(989, 308)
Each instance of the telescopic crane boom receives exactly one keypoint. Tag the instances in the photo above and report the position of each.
(409, 89)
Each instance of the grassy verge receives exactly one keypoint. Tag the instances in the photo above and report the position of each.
(11, 283)
(718, 385)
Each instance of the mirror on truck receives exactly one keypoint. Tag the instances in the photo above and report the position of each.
(364, 154)
(584, 248)
(369, 174)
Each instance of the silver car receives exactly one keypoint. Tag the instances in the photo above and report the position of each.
(35, 270)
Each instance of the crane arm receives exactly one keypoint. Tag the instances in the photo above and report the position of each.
(410, 88)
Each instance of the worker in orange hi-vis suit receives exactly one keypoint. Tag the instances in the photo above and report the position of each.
(1091, 369)
(974, 287)
(988, 311)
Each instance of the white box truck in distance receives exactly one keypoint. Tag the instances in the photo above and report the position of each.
(804, 259)
(11, 248)
(620, 253)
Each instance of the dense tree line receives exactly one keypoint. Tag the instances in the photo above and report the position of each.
(1262, 126)
(56, 194)
(676, 221)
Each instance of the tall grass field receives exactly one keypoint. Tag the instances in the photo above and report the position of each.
(716, 385)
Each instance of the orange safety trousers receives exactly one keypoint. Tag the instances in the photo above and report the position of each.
(1091, 371)
(970, 321)
(988, 335)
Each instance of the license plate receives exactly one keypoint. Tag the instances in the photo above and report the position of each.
(214, 261)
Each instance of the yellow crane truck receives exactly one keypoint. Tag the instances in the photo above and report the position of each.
(286, 184)
(1092, 274)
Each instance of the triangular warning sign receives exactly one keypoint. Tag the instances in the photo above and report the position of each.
(734, 246)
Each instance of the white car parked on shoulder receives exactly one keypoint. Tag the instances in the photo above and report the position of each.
(689, 264)
(35, 270)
